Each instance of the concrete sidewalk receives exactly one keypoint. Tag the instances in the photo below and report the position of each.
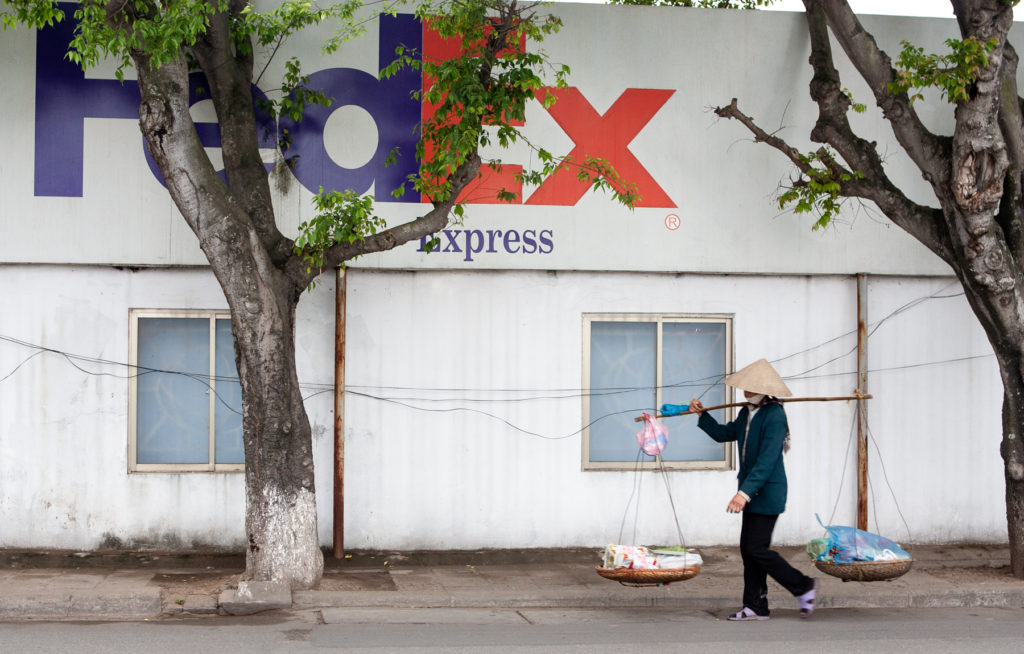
(147, 586)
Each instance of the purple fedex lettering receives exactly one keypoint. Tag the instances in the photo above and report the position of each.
(390, 102)
(64, 99)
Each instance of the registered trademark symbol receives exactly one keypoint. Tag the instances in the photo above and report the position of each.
(672, 221)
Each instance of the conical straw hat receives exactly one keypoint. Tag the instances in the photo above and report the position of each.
(759, 377)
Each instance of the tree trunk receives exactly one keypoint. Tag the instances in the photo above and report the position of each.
(999, 325)
(1012, 450)
(281, 519)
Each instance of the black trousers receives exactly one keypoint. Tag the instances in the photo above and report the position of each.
(759, 561)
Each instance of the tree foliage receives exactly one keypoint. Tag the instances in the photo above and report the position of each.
(952, 74)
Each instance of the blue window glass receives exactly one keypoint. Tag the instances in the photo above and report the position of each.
(228, 408)
(624, 366)
(174, 389)
(692, 365)
(173, 406)
(622, 380)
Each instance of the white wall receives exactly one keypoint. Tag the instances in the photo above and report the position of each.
(468, 480)
(496, 343)
(63, 441)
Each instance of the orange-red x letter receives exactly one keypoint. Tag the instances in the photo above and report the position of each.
(604, 137)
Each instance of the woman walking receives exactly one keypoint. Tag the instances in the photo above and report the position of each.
(762, 435)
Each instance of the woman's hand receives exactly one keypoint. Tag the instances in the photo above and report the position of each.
(737, 503)
(696, 406)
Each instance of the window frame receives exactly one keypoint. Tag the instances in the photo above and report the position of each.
(213, 315)
(728, 463)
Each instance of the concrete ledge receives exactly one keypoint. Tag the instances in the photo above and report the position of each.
(200, 604)
(256, 596)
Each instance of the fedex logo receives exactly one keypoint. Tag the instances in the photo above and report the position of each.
(65, 98)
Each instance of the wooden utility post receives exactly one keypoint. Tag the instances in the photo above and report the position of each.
(339, 414)
(862, 406)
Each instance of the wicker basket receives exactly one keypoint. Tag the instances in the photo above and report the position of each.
(866, 570)
(629, 577)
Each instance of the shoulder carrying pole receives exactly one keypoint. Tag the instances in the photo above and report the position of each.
(857, 396)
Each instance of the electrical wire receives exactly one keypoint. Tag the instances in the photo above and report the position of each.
(871, 332)
(23, 362)
(548, 394)
(536, 394)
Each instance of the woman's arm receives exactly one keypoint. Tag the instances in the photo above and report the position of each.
(719, 432)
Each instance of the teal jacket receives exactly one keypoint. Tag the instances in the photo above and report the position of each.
(762, 474)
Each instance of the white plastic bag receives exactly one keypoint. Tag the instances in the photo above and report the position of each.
(672, 560)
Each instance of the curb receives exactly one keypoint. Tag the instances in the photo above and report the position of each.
(136, 606)
(148, 605)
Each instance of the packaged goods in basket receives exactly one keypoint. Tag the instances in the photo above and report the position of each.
(637, 557)
(675, 560)
(850, 545)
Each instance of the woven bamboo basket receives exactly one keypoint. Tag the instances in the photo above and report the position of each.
(629, 577)
(866, 570)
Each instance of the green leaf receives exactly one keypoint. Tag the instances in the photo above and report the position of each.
(818, 190)
(343, 217)
(952, 74)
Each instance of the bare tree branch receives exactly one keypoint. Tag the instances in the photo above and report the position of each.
(875, 66)
(761, 136)
(833, 128)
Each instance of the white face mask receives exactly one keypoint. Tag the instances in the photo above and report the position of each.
(755, 399)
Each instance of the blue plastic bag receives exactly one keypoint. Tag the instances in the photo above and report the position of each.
(849, 544)
(674, 409)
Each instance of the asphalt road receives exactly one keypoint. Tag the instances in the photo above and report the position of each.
(415, 631)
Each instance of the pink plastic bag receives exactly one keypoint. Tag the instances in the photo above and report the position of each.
(653, 437)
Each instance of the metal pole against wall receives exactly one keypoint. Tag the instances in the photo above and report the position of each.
(862, 407)
(339, 414)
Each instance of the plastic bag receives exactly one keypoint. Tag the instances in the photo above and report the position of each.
(653, 437)
(633, 557)
(818, 549)
(674, 409)
(849, 544)
(674, 560)
(637, 557)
